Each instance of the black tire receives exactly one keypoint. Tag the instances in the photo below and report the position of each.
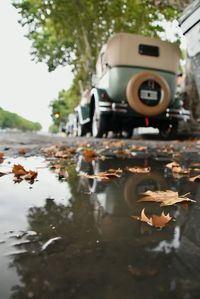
(99, 125)
(168, 131)
(81, 130)
(127, 133)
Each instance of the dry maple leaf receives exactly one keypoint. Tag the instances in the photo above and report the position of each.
(139, 169)
(166, 198)
(195, 178)
(19, 170)
(154, 220)
(88, 153)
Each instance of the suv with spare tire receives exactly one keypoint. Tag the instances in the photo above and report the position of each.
(134, 86)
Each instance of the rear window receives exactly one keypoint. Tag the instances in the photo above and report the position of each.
(149, 50)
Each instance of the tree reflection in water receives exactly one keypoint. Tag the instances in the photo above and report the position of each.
(101, 252)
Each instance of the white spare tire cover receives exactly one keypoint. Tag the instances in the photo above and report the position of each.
(134, 100)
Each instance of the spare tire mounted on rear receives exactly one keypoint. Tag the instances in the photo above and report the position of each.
(148, 94)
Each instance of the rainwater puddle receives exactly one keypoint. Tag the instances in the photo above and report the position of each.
(69, 236)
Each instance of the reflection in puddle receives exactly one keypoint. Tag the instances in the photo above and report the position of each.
(72, 236)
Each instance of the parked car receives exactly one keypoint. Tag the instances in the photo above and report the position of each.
(134, 86)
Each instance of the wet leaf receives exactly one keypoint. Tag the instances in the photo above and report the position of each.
(172, 164)
(166, 198)
(195, 178)
(154, 220)
(1, 157)
(139, 169)
(19, 170)
(109, 174)
(22, 151)
(135, 147)
(177, 169)
(31, 175)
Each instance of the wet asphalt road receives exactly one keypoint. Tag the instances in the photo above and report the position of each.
(64, 235)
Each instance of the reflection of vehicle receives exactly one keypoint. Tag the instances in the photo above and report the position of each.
(134, 86)
(116, 200)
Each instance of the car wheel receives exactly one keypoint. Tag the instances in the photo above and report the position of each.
(148, 93)
(99, 125)
(168, 131)
(81, 130)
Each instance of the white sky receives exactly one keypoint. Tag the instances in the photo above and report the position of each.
(26, 88)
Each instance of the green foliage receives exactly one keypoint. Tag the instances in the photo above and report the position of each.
(54, 129)
(72, 32)
(14, 121)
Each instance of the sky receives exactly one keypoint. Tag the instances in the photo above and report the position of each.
(26, 87)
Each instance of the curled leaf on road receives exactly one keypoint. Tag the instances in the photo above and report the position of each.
(89, 153)
(166, 198)
(195, 178)
(22, 151)
(107, 175)
(138, 169)
(139, 148)
(120, 153)
(154, 220)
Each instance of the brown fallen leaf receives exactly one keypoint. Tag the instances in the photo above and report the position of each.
(180, 170)
(195, 178)
(88, 153)
(1, 157)
(19, 170)
(109, 174)
(139, 169)
(166, 198)
(154, 220)
(172, 164)
(31, 175)
(22, 151)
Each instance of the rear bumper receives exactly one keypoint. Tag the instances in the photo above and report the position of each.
(124, 110)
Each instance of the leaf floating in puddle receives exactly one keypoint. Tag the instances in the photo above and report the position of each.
(31, 175)
(139, 169)
(154, 220)
(19, 170)
(1, 157)
(166, 198)
(109, 174)
(177, 169)
(20, 174)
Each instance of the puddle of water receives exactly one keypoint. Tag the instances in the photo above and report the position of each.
(75, 237)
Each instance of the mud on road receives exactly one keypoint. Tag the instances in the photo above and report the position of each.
(69, 231)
